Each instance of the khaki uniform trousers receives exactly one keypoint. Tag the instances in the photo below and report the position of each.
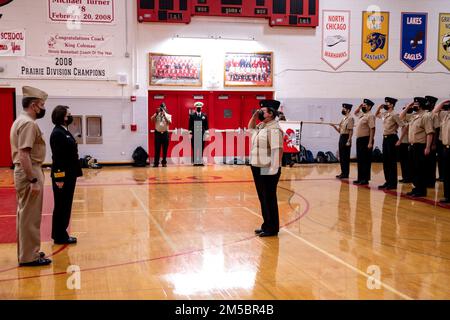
(29, 214)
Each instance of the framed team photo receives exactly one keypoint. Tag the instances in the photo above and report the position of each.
(175, 70)
(248, 69)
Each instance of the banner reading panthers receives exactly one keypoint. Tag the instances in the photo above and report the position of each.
(414, 39)
(375, 38)
(444, 40)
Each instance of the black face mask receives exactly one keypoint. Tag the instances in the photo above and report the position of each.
(41, 114)
(344, 113)
(69, 120)
(364, 109)
(261, 116)
(416, 109)
(446, 107)
(410, 111)
(386, 107)
(199, 109)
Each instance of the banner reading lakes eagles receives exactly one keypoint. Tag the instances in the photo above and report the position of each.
(375, 38)
(64, 68)
(444, 40)
(12, 43)
(414, 39)
(336, 38)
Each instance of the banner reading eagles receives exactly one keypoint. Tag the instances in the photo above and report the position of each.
(336, 38)
(414, 39)
(444, 40)
(375, 38)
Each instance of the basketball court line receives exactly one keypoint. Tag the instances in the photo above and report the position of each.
(339, 260)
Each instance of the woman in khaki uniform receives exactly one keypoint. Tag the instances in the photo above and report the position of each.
(443, 113)
(28, 154)
(345, 130)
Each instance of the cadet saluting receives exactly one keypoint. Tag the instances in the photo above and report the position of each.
(345, 140)
(365, 133)
(28, 154)
(391, 123)
(420, 136)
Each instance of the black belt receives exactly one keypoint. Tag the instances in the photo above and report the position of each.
(389, 135)
(447, 146)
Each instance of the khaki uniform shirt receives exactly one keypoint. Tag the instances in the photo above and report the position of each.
(420, 126)
(161, 124)
(265, 138)
(445, 127)
(391, 123)
(406, 122)
(365, 123)
(25, 133)
(347, 124)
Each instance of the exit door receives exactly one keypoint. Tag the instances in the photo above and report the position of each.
(8, 114)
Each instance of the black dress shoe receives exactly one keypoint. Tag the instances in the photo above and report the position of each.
(258, 231)
(445, 201)
(42, 254)
(383, 186)
(268, 234)
(37, 263)
(164, 165)
(390, 188)
(405, 181)
(343, 177)
(339, 176)
(155, 165)
(356, 182)
(363, 183)
(70, 240)
(411, 193)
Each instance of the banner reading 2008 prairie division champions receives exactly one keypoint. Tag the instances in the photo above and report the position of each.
(375, 38)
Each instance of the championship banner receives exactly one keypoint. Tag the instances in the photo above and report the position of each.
(79, 45)
(444, 40)
(66, 68)
(292, 136)
(375, 38)
(414, 39)
(12, 43)
(82, 11)
(336, 38)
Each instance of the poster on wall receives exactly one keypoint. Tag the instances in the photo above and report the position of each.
(175, 70)
(12, 43)
(444, 40)
(81, 11)
(64, 68)
(79, 45)
(336, 38)
(248, 69)
(413, 50)
(375, 38)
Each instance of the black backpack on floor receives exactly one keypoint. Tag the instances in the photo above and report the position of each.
(321, 157)
(140, 157)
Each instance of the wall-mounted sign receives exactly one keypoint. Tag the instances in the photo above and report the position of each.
(375, 38)
(414, 39)
(82, 11)
(444, 40)
(12, 43)
(64, 68)
(336, 38)
(79, 45)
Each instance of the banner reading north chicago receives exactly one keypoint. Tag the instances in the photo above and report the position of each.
(336, 38)
(444, 40)
(65, 68)
(79, 45)
(83, 11)
(12, 43)
(375, 38)
(414, 39)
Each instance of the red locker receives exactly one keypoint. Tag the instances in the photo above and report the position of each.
(8, 114)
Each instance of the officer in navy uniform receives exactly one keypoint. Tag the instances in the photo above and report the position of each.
(66, 169)
(198, 115)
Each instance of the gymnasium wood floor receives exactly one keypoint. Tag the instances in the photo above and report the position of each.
(187, 233)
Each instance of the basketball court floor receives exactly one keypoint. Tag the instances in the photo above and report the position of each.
(187, 233)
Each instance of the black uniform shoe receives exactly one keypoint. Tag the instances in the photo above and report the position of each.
(164, 165)
(258, 231)
(268, 234)
(155, 165)
(363, 183)
(70, 240)
(37, 263)
(405, 181)
(390, 188)
(356, 182)
(445, 201)
(383, 186)
(411, 193)
(339, 176)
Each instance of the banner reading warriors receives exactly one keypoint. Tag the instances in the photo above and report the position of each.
(444, 40)
(83, 11)
(336, 38)
(12, 43)
(79, 45)
(64, 68)
(414, 39)
(375, 38)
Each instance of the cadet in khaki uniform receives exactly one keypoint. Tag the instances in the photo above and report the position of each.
(28, 153)
(365, 133)
(391, 124)
(403, 144)
(420, 136)
(443, 113)
(345, 130)
(432, 158)
(265, 159)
